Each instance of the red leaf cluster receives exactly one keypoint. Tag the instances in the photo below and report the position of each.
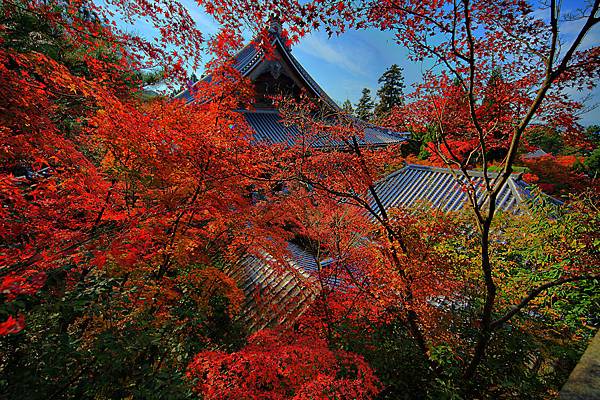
(282, 365)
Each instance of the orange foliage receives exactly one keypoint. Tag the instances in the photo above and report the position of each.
(282, 365)
(202, 285)
(558, 175)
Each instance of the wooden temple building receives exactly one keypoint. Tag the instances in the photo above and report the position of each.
(281, 73)
(279, 294)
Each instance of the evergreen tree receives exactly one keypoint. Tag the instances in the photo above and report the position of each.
(592, 134)
(494, 81)
(391, 93)
(347, 107)
(364, 108)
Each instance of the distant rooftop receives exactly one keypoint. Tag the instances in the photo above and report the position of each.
(535, 154)
(279, 292)
(420, 185)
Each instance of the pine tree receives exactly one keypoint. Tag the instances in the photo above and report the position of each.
(391, 93)
(495, 80)
(364, 108)
(347, 107)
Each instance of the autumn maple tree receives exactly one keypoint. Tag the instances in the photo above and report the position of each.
(120, 213)
(499, 67)
(511, 68)
(276, 366)
(113, 201)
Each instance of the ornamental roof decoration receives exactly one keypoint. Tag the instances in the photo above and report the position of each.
(252, 56)
(252, 62)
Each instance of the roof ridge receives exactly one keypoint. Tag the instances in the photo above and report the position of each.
(252, 43)
(471, 172)
(438, 186)
(312, 83)
(259, 111)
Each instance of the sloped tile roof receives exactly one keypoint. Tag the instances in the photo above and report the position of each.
(244, 61)
(419, 185)
(276, 292)
(269, 128)
(252, 55)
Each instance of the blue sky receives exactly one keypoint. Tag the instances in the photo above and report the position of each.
(345, 64)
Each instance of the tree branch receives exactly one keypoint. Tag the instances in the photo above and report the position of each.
(536, 292)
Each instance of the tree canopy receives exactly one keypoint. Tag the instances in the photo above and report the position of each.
(126, 219)
(391, 91)
(365, 105)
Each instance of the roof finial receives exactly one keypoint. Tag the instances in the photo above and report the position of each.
(275, 23)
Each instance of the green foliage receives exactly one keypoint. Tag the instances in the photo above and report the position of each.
(496, 168)
(532, 355)
(549, 244)
(545, 244)
(523, 366)
(391, 93)
(547, 139)
(90, 341)
(152, 76)
(424, 154)
(347, 107)
(418, 142)
(386, 348)
(364, 108)
(592, 134)
(592, 163)
(30, 32)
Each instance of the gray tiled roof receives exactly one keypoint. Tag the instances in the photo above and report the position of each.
(416, 185)
(276, 292)
(244, 61)
(252, 55)
(267, 125)
(269, 128)
(535, 154)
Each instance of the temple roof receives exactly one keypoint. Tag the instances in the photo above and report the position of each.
(269, 128)
(444, 188)
(276, 292)
(252, 61)
(252, 55)
(279, 292)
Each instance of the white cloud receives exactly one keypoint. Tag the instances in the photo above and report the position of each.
(332, 54)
